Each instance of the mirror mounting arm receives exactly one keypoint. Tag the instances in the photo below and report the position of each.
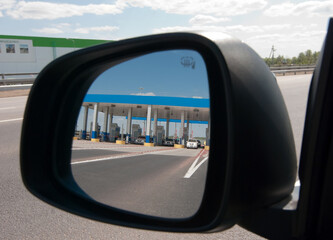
(275, 222)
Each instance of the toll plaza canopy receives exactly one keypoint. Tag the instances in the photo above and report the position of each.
(196, 110)
(139, 107)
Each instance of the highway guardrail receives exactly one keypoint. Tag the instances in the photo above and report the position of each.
(17, 78)
(293, 71)
(29, 78)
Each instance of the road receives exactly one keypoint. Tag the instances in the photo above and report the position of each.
(162, 181)
(295, 90)
(23, 216)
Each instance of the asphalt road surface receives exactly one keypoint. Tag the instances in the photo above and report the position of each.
(159, 181)
(22, 216)
(295, 90)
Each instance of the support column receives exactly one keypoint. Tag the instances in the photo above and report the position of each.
(105, 126)
(148, 129)
(129, 126)
(94, 137)
(155, 126)
(207, 146)
(187, 127)
(85, 119)
(110, 122)
(167, 127)
(91, 129)
(181, 132)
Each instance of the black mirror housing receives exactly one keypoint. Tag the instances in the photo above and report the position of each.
(256, 167)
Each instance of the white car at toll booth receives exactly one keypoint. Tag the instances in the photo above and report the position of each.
(191, 143)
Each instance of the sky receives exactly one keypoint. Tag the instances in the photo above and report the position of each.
(175, 73)
(292, 26)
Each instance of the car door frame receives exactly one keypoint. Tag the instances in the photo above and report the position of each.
(315, 209)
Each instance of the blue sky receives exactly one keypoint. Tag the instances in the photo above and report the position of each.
(176, 73)
(291, 26)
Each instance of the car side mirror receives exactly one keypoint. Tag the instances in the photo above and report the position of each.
(252, 160)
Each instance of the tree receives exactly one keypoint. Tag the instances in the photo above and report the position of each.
(304, 58)
(301, 60)
(308, 57)
(315, 57)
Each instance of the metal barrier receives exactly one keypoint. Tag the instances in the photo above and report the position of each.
(14, 78)
(293, 70)
(292, 67)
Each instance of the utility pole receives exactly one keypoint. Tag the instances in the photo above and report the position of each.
(272, 54)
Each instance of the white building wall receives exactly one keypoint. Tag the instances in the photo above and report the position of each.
(26, 58)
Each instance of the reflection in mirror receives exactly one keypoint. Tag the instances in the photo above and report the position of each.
(142, 136)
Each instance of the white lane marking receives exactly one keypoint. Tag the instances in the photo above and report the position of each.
(105, 148)
(11, 120)
(121, 156)
(7, 108)
(194, 167)
(104, 159)
(109, 148)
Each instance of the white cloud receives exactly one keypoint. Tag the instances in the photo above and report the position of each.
(48, 30)
(179, 29)
(287, 44)
(193, 7)
(275, 27)
(6, 4)
(225, 29)
(305, 36)
(96, 29)
(144, 94)
(242, 28)
(309, 8)
(287, 37)
(205, 19)
(48, 10)
(68, 28)
(266, 37)
(64, 25)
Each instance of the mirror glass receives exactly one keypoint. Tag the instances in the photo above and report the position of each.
(142, 136)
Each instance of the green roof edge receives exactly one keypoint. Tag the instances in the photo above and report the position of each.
(58, 42)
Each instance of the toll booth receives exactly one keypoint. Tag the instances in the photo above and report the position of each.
(136, 132)
(98, 130)
(185, 135)
(160, 133)
(90, 131)
(114, 132)
(207, 137)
